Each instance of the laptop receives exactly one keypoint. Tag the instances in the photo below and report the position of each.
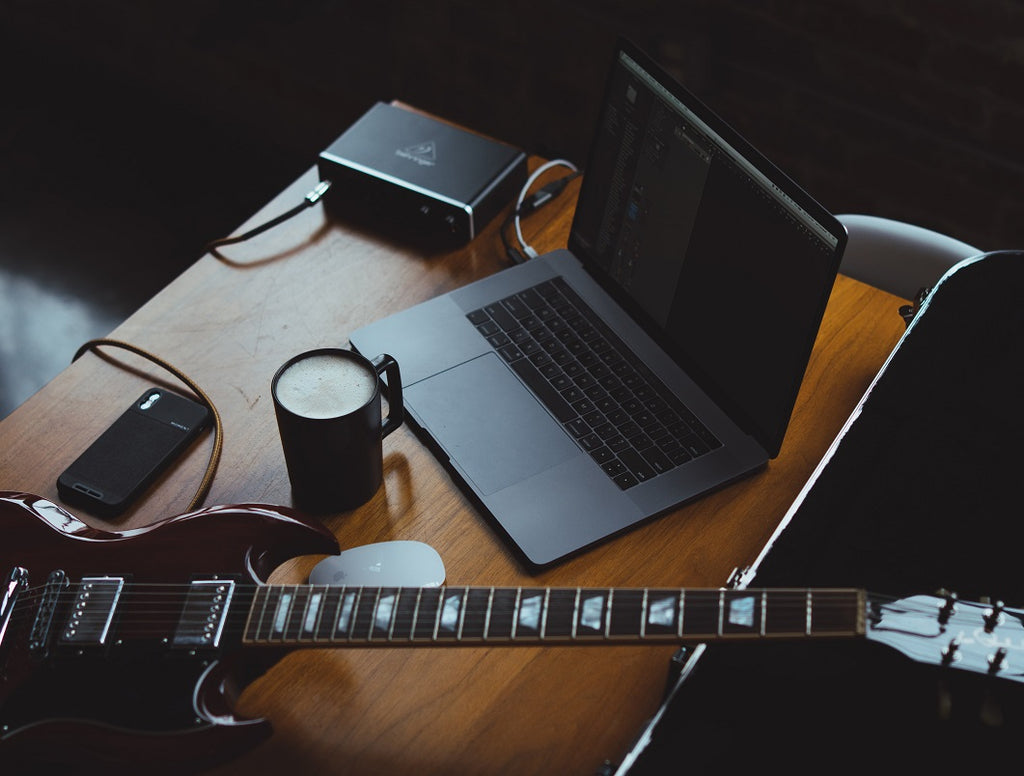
(656, 359)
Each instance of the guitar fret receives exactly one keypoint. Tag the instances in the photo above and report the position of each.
(515, 612)
(591, 614)
(427, 611)
(836, 612)
(742, 613)
(449, 615)
(281, 599)
(463, 605)
(263, 630)
(807, 628)
(575, 614)
(544, 614)
(487, 618)
(682, 613)
(362, 621)
(661, 614)
(296, 614)
(325, 621)
(626, 614)
(346, 605)
(415, 615)
(437, 615)
(608, 614)
(270, 616)
(404, 621)
(530, 621)
(283, 616)
(383, 614)
(643, 616)
(293, 614)
(252, 630)
(284, 619)
(311, 616)
(329, 616)
(442, 602)
(373, 614)
(531, 612)
(560, 613)
(463, 611)
(502, 613)
(702, 614)
(451, 610)
(394, 613)
(476, 612)
(786, 613)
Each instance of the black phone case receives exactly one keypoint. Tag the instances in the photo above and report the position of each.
(127, 457)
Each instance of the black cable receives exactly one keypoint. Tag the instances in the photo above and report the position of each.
(310, 199)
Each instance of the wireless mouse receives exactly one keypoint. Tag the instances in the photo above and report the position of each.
(384, 564)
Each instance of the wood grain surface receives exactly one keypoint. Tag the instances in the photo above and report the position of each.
(230, 321)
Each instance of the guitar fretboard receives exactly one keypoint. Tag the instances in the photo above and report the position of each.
(311, 615)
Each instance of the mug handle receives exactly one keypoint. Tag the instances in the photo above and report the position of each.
(396, 409)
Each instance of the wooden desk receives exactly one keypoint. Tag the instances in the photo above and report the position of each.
(522, 710)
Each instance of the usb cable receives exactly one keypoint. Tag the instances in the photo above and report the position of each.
(310, 199)
(529, 204)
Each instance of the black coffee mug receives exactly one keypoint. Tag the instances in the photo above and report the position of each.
(328, 407)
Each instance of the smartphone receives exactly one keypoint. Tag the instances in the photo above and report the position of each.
(127, 457)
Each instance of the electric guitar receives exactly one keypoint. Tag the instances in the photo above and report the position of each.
(132, 646)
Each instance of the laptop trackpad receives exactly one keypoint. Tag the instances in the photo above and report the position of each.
(490, 425)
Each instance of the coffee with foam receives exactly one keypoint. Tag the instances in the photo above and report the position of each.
(325, 385)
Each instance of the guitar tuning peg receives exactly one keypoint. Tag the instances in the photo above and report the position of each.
(949, 653)
(993, 616)
(996, 661)
(948, 607)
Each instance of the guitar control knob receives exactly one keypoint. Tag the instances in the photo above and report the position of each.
(997, 661)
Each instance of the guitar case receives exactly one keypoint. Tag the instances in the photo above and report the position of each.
(919, 492)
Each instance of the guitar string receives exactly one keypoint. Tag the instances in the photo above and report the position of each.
(411, 630)
(164, 608)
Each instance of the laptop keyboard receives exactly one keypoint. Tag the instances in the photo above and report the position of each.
(607, 400)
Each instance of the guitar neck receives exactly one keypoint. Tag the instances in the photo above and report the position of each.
(298, 615)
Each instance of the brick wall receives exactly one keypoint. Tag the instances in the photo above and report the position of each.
(911, 109)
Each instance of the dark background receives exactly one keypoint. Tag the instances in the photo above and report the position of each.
(134, 132)
(907, 505)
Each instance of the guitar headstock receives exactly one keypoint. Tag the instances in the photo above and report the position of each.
(986, 638)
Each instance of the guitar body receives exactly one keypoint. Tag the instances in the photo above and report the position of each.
(117, 703)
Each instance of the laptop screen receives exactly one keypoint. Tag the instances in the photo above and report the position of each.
(722, 258)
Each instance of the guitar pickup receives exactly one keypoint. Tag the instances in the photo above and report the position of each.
(92, 612)
(48, 602)
(202, 619)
